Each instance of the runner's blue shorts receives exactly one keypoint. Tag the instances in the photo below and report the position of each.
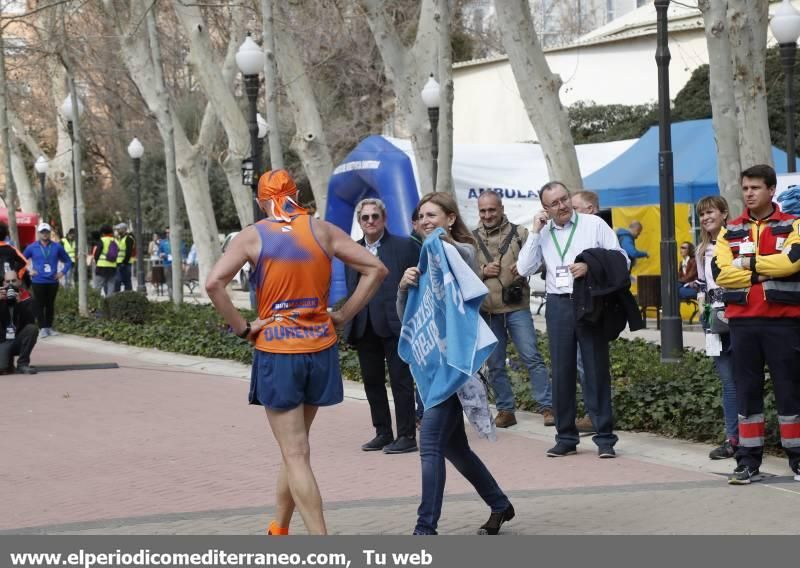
(283, 381)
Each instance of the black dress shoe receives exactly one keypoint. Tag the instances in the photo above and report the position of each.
(401, 445)
(496, 520)
(377, 443)
(26, 370)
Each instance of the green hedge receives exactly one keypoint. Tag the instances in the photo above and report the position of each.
(680, 400)
(189, 329)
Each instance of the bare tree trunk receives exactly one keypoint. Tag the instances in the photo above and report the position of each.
(309, 141)
(407, 71)
(539, 90)
(191, 161)
(444, 177)
(167, 128)
(271, 85)
(748, 22)
(83, 240)
(27, 197)
(217, 88)
(723, 102)
(10, 194)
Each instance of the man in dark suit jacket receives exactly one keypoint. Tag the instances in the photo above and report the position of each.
(375, 332)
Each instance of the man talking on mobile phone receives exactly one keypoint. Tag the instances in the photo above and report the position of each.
(567, 243)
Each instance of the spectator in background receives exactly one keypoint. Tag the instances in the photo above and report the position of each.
(687, 273)
(105, 258)
(152, 247)
(44, 256)
(70, 247)
(165, 255)
(586, 202)
(627, 240)
(375, 333)
(18, 331)
(507, 310)
(713, 214)
(127, 254)
(11, 258)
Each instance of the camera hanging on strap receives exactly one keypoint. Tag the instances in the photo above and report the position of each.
(513, 293)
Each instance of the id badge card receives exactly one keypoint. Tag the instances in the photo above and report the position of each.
(563, 277)
(713, 345)
(747, 247)
(48, 269)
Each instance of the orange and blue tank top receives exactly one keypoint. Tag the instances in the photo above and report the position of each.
(292, 280)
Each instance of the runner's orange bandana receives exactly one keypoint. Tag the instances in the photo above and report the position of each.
(277, 186)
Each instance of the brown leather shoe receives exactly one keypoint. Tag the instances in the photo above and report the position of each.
(549, 417)
(585, 425)
(504, 419)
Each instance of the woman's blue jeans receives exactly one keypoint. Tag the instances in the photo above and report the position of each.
(724, 365)
(443, 436)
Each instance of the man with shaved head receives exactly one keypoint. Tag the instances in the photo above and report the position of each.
(507, 309)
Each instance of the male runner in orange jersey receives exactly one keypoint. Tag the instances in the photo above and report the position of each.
(295, 364)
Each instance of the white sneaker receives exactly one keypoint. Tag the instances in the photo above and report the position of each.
(43, 333)
(797, 476)
(51, 332)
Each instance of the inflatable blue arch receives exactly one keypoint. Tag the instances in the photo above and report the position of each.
(375, 168)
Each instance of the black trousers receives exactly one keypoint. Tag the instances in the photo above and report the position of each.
(373, 353)
(776, 343)
(21, 347)
(45, 295)
(565, 335)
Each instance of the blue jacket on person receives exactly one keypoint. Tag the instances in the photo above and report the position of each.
(45, 261)
(628, 244)
(165, 251)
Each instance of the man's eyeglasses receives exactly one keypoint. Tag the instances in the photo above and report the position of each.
(370, 217)
(556, 204)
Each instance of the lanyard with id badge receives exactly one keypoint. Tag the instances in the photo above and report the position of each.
(47, 268)
(563, 275)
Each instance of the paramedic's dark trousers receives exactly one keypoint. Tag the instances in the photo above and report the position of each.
(776, 343)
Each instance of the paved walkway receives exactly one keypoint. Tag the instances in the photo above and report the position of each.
(168, 444)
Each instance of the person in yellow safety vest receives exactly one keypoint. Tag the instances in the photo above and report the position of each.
(70, 246)
(105, 257)
(126, 257)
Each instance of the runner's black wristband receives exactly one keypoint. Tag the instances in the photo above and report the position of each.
(245, 332)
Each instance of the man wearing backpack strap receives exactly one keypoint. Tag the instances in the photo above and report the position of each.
(105, 257)
(507, 309)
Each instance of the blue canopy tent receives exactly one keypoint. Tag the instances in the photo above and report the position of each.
(375, 168)
(632, 178)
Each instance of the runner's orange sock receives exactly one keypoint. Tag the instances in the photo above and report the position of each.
(275, 529)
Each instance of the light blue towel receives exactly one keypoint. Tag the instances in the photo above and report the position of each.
(444, 339)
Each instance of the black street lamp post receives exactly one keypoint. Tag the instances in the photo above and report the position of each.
(136, 151)
(785, 25)
(250, 59)
(671, 325)
(431, 98)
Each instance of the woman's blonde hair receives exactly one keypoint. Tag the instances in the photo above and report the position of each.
(447, 202)
(710, 202)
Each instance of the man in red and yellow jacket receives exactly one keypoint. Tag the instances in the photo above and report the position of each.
(757, 261)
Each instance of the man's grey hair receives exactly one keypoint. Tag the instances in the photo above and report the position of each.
(552, 185)
(635, 225)
(371, 201)
(490, 193)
